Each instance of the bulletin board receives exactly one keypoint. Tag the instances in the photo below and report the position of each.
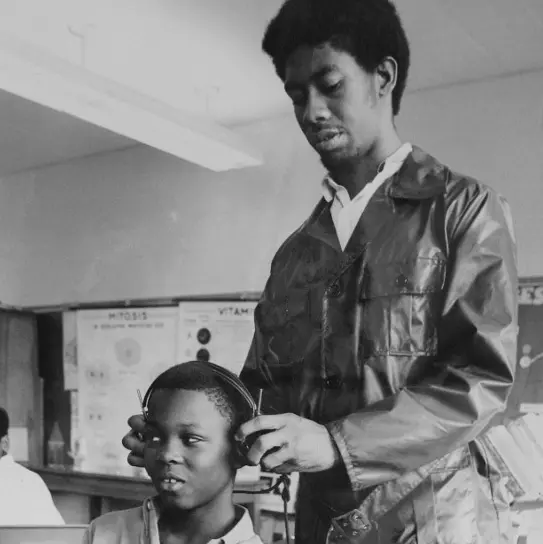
(108, 353)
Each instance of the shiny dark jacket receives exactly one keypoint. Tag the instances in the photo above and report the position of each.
(404, 346)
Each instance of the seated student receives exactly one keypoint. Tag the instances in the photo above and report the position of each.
(191, 420)
(24, 497)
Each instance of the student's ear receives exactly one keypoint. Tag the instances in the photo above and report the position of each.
(236, 457)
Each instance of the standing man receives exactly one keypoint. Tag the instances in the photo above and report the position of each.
(385, 338)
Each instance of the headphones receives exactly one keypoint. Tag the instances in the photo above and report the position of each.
(224, 376)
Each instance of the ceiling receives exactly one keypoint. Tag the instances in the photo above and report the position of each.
(203, 56)
(33, 136)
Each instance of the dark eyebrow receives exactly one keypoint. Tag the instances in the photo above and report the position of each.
(325, 70)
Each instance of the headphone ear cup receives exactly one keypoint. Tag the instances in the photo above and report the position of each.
(239, 455)
(241, 449)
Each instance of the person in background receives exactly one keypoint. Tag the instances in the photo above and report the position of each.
(189, 455)
(385, 337)
(24, 497)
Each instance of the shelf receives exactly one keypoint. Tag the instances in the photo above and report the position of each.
(116, 487)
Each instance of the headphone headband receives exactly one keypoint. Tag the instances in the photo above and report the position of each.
(235, 382)
(222, 373)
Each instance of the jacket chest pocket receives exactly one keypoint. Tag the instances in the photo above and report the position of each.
(401, 307)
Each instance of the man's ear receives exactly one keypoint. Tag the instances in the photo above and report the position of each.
(387, 76)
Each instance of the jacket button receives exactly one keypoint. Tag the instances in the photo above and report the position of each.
(334, 290)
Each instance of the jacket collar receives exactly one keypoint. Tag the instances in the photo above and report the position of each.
(321, 226)
(420, 177)
(331, 189)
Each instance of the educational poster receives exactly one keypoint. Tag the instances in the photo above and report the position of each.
(220, 332)
(527, 393)
(118, 352)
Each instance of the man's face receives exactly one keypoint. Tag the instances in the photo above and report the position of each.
(336, 103)
(187, 449)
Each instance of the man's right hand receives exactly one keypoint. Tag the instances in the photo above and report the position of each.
(132, 440)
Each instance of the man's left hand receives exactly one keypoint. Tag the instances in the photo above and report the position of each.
(300, 445)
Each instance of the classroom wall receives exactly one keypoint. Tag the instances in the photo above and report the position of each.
(139, 223)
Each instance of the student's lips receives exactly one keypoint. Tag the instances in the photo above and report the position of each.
(170, 483)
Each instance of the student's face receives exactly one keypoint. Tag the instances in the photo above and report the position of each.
(332, 94)
(187, 452)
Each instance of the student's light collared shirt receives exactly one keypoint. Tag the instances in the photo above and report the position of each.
(24, 497)
(141, 525)
(346, 212)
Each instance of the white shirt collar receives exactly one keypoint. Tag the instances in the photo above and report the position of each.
(331, 189)
(241, 532)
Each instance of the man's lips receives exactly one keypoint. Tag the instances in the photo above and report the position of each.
(327, 140)
(322, 135)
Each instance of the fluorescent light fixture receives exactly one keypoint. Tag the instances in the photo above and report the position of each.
(34, 74)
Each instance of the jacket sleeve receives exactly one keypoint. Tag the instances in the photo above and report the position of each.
(467, 384)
